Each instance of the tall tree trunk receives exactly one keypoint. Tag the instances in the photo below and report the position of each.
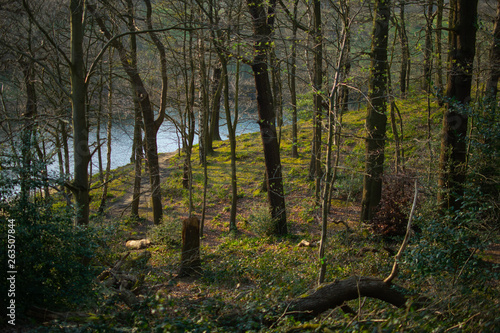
(263, 21)
(137, 146)
(204, 103)
(405, 53)
(204, 131)
(104, 194)
(217, 85)
(138, 158)
(65, 146)
(231, 129)
(80, 184)
(107, 174)
(452, 164)
(494, 74)
(292, 80)
(98, 130)
(488, 164)
(376, 119)
(426, 83)
(28, 130)
(277, 90)
(189, 127)
(334, 117)
(439, 49)
(153, 125)
(315, 171)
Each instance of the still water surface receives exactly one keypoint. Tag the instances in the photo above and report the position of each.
(121, 142)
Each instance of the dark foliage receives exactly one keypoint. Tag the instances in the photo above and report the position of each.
(52, 256)
(391, 215)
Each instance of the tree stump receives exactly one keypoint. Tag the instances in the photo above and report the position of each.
(190, 257)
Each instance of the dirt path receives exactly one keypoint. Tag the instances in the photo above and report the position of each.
(120, 207)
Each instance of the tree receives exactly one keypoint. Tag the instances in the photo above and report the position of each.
(80, 184)
(439, 47)
(151, 125)
(376, 119)
(263, 21)
(334, 122)
(29, 128)
(405, 52)
(292, 80)
(315, 165)
(453, 158)
(494, 75)
(109, 136)
(427, 78)
(137, 145)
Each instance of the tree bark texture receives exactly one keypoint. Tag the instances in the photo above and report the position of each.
(215, 107)
(492, 83)
(231, 130)
(137, 146)
(28, 132)
(190, 256)
(80, 185)
(315, 171)
(453, 142)
(439, 48)
(376, 119)
(263, 26)
(104, 194)
(293, 83)
(138, 157)
(426, 82)
(405, 52)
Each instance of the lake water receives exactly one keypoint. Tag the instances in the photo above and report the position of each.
(168, 141)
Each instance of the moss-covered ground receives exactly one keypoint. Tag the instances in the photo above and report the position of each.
(248, 273)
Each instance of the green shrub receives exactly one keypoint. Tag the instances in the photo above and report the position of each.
(169, 232)
(451, 244)
(261, 221)
(52, 256)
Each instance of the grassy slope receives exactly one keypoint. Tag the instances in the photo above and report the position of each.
(246, 274)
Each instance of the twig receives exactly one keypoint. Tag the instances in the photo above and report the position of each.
(463, 266)
(282, 315)
(459, 325)
(394, 271)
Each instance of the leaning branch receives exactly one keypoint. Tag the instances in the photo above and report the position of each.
(113, 39)
(395, 267)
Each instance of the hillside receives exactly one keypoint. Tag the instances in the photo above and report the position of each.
(247, 274)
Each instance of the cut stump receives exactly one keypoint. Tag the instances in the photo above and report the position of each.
(190, 257)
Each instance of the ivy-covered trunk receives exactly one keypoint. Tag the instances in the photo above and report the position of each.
(453, 160)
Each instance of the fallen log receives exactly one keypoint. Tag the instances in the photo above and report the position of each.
(334, 294)
(137, 244)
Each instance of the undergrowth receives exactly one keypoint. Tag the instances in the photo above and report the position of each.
(249, 276)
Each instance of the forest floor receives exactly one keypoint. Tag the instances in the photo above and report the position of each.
(247, 274)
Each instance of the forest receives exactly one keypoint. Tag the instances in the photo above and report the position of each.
(249, 166)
